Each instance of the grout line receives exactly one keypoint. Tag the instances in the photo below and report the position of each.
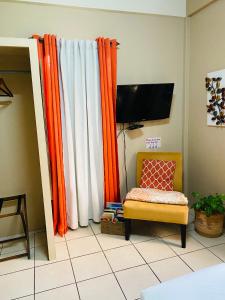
(204, 247)
(133, 267)
(114, 273)
(51, 263)
(22, 297)
(147, 263)
(83, 280)
(150, 239)
(208, 248)
(73, 271)
(55, 288)
(186, 263)
(179, 255)
(78, 238)
(215, 255)
(74, 257)
(110, 266)
(17, 271)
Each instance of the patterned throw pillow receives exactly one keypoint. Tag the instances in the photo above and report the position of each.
(158, 174)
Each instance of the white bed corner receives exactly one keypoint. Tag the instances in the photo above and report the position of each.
(207, 284)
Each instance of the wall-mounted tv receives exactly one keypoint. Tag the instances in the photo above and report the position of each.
(142, 102)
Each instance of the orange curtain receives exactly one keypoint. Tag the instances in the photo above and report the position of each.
(47, 52)
(107, 53)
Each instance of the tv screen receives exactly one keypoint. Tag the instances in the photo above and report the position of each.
(142, 102)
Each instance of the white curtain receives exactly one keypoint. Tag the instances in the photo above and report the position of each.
(82, 130)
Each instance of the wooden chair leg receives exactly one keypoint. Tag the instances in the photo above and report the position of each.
(183, 229)
(127, 229)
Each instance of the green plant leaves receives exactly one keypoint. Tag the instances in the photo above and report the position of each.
(211, 204)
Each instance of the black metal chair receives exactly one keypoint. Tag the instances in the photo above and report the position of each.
(22, 211)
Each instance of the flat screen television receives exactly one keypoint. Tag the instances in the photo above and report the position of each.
(142, 102)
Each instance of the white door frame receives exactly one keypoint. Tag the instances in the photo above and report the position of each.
(31, 44)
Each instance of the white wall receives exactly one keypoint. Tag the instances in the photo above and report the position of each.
(19, 161)
(151, 50)
(160, 7)
(206, 144)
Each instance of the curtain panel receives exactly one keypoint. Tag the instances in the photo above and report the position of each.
(48, 60)
(107, 53)
(82, 130)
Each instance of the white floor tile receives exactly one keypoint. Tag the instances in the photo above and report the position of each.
(219, 251)
(96, 227)
(134, 280)
(170, 268)
(208, 242)
(174, 241)
(41, 254)
(83, 246)
(101, 288)
(89, 266)
(17, 284)
(31, 297)
(59, 238)
(78, 233)
(136, 238)
(108, 241)
(68, 292)
(200, 259)
(124, 257)
(154, 250)
(53, 275)
(17, 264)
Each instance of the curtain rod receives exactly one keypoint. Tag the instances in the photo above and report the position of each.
(42, 39)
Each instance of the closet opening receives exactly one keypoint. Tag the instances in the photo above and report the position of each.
(23, 151)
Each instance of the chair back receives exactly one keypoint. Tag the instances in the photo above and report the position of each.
(175, 156)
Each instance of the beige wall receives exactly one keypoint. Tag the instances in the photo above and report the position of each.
(206, 144)
(196, 5)
(19, 161)
(151, 50)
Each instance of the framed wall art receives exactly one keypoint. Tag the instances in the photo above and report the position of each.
(215, 87)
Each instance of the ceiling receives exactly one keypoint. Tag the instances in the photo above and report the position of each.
(160, 7)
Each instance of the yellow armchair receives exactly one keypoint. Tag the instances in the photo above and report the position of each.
(167, 213)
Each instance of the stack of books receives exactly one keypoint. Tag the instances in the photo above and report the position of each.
(112, 220)
(113, 212)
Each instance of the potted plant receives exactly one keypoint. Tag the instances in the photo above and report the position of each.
(209, 214)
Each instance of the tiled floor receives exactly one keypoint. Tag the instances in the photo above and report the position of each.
(91, 265)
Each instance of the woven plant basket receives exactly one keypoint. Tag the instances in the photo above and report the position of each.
(209, 226)
(112, 228)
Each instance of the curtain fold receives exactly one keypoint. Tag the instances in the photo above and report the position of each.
(48, 60)
(82, 130)
(107, 53)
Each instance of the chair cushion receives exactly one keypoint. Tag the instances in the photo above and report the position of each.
(158, 174)
(167, 213)
(157, 196)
